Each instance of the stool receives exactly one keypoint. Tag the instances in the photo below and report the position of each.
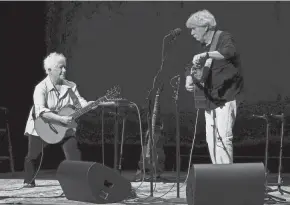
(5, 132)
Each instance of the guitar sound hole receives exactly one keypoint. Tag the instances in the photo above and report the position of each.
(108, 184)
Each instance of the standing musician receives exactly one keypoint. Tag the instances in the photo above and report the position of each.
(222, 83)
(51, 94)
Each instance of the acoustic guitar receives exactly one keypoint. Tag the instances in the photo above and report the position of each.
(156, 159)
(198, 73)
(54, 132)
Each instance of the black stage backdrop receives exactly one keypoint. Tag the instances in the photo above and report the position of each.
(110, 43)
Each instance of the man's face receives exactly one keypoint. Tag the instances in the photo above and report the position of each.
(59, 71)
(198, 32)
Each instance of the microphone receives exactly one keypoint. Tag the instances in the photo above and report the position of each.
(175, 32)
(177, 76)
(280, 117)
(260, 116)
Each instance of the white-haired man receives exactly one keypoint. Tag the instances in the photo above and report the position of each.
(51, 94)
(223, 84)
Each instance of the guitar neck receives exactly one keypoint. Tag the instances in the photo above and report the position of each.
(156, 111)
(87, 108)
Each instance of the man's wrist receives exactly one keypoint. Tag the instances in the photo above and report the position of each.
(208, 62)
(207, 55)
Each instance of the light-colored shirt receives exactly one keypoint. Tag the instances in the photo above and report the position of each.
(46, 99)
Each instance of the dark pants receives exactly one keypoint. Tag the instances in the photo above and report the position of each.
(69, 147)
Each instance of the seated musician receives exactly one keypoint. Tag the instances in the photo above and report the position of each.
(223, 84)
(52, 94)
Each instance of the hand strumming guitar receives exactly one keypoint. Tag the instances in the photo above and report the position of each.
(198, 73)
(66, 120)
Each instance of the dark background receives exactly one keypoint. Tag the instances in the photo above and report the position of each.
(120, 43)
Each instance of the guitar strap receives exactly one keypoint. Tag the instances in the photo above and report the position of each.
(200, 99)
(213, 45)
(215, 41)
(75, 99)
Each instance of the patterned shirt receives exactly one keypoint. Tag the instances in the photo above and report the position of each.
(46, 98)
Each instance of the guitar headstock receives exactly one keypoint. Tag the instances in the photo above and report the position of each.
(113, 93)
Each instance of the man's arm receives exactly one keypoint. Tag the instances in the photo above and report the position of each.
(226, 48)
(82, 100)
(216, 55)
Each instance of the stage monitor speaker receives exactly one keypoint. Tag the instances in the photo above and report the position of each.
(92, 182)
(226, 184)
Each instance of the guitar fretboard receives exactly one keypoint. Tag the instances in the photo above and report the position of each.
(87, 108)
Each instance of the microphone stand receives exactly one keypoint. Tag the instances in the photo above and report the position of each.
(149, 117)
(279, 183)
(176, 92)
(268, 197)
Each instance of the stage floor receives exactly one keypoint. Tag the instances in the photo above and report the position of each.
(48, 190)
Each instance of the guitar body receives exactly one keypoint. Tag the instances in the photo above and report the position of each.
(198, 93)
(54, 132)
(199, 98)
(157, 157)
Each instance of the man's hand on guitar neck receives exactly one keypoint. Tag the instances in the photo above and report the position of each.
(102, 103)
(90, 102)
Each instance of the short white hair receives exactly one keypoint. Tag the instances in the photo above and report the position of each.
(52, 59)
(201, 18)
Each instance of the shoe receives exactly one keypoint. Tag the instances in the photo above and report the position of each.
(26, 185)
(138, 176)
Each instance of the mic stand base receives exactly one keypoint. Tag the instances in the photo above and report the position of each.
(282, 191)
(163, 179)
(156, 179)
(279, 189)
(149, 199)
(268, 197)
(279, 183)
(177, 200)
(272, 198)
